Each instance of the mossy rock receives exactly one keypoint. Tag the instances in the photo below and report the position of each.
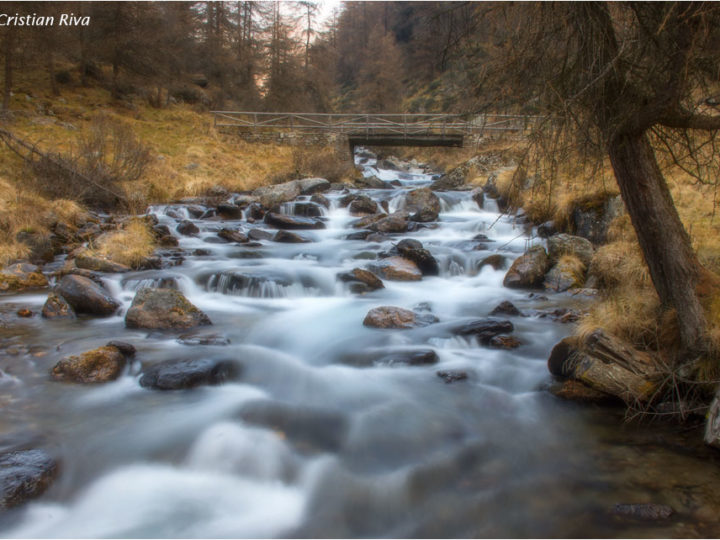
(162, 309)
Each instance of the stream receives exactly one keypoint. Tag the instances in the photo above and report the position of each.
(319, 438)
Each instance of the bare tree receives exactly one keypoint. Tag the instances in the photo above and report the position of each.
(618, 71)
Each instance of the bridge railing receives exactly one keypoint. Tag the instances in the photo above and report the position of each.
(400, 124)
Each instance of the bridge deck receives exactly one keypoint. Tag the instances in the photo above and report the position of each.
(376, 129)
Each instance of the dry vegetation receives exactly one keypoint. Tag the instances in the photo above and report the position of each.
(187, 156)
(129, 245)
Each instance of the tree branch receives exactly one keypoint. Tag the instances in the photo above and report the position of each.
(688, 120)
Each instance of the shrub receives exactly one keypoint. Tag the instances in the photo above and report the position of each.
(93, 174)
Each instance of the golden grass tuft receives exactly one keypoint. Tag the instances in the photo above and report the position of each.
(128, 246)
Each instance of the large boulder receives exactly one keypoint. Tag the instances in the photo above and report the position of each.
(183, 374)
(21, 276)
(423, 204)
(283, 221)
(270, 196)
(309, 186)
(163, 309)
(567, 244)
(398, 269)
(528, 270)
(86, 296)
(96, 366)
(187, 228)
(25, 474)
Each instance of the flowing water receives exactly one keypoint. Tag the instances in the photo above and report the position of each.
(317, 440)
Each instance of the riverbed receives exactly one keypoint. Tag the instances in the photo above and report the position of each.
(324, 435)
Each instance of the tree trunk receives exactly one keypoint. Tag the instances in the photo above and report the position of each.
(666, 246)
(51, 73)
(8, 45)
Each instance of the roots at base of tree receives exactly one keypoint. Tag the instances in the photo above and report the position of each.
(601, 368)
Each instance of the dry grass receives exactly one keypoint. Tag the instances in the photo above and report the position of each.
(128, 246)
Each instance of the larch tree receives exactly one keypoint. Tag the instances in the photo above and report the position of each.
(620, 73)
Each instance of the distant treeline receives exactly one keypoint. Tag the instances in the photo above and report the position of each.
(370, 56)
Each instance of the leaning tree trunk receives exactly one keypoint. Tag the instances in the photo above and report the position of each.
(665, 244)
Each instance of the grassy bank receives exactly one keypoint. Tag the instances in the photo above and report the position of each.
(188, 156)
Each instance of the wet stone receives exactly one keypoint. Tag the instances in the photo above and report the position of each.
(86, 296)
(484, 329)
(281, 221)
(233, 236)
(259, 234)
(506, 308)
(287, 237)
(643, 511)
(163, 309)
(187, 228)
(504, 342)
(99, 365)
(24, 475)
(185, 374)
(450, 376)
(203, 339)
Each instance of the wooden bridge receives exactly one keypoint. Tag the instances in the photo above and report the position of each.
(373, 129)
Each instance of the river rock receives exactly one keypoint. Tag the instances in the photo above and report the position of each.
(478, 195)
(24, 313)
(547, 229)
(99, 264)
(86, 296)
(484, 329)
(229, 211)
(371, 182)
(309, 186)
(564, 275)
(270, 196)
(367, 221)
(163, 309)
(528, 270)
(282, 221)
(390, 317)
(322, 200)
(591, 217)
(307, 428)
(567, 244)
(187, 228)
(452, 375)
(644, 511)
(406, 357)
(259, 234)
(97, 366)
(24, 475)
(233, 236)
(506, 308)
(204, 339)
(56, 307)
(306, 209)
(21, 276)
(362, 205)
(287, 237)
(496, 261)
(423, 204)
(183, 374)
(453, 180)
(504, 342)
(414, 251)
(394, 223)
(361, 281)
(255, 211)
(398, 269)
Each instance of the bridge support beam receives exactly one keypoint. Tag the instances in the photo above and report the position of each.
(405, 140)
